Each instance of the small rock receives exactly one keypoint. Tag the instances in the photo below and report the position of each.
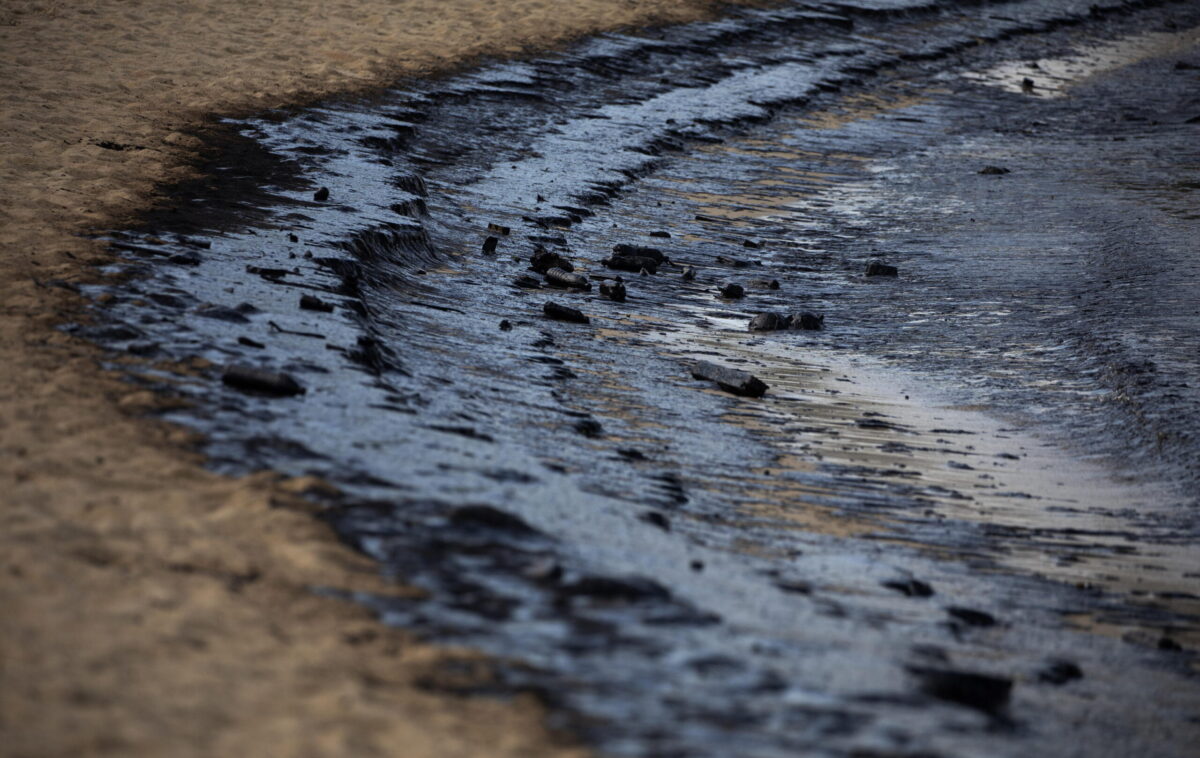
(910, 587)
(563, 313)
(293, 238)
(734, 262)
(729, 379)
(614, 291)
(489, 245)
(663, 235)
(311, 303)
(688, 274)
(982, 692)
(639, 251)
(751, 244)
(527, 282)
(251, 343)
(1027, 85)
(261, 381)
(971, 617)
(1059, 672)
(993, 171)
(589, 427)
(634, 263)
(656, 519)
(498, 229)
(768, 322)
(732, 291)
(807, 321)
(561, 278)
(875, 268)
(321, 195)
(506, 325)
(543, 260)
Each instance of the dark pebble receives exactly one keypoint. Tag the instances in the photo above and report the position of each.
(506, 325)
(589, 427)
(489, 245)
(563, 313)
(733, 291)
(910, 587)
(251, 343)
(1059, 672)
(655, 518)
(321, 195)
(971, 617)
(982, 692)
(875, 268)
(993, 171)
(261, 381)
(313, 303)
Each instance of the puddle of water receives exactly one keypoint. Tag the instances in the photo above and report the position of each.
(1054, 77)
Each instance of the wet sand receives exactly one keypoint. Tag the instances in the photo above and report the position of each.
(151, 607)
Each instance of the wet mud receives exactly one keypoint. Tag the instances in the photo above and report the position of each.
(960, 516)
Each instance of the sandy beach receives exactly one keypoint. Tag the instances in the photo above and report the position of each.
(151, 607)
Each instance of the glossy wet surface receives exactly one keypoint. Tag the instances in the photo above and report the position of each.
(982, 466)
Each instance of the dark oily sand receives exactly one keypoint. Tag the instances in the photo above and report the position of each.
(962, 519)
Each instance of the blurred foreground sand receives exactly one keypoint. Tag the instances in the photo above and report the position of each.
(148, 607)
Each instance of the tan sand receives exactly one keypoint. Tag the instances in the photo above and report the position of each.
(148, 607)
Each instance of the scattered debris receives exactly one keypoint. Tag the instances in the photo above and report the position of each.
(261, 381)
(562, 313)
(730, 379)
(875, 268)
(732, 291)
(807, 321)
(503, 231)
(638, 251)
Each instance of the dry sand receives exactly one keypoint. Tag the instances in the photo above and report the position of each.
(148, 607)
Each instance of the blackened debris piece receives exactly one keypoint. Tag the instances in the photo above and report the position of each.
(730, 379)
(560, 278)
(250, 343)
(875, 268)
(639, 251)
(503, 231)
(807, 321)
(751, 244)
(313, 303)
(543, 260)
(628, 589)
(910, 587)
(485, 516)
(321, 195)
(632, 263)
(506, 325)
(527, 282)
(489, 245)
(656, 519)
(982, 692)
(993, 171)
(971, 617)
(614, 291)
(589, 427)
(562, 313)
(768, 322)
(261, 381)
(733, 291)
(1058, 672)
(725, 260)
(688, 274)
(661, 234)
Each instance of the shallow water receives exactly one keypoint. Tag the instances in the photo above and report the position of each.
(702, 574)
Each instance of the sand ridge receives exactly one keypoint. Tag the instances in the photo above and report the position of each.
(151, 607)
